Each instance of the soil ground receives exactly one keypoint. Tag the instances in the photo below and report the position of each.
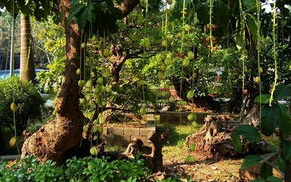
(225, 170)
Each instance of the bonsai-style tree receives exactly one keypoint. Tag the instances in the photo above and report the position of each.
(57, 137)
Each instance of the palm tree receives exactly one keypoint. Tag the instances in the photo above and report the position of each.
(27, 71)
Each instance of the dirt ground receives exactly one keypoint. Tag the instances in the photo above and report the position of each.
(226, 170)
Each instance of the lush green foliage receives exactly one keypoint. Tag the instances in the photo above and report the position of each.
(158, 53)
(26, 97)
(130, 96)
(75, 170)
(90, 15)
(275, 119)
(276, 115)
(39, 9)
(50, 37)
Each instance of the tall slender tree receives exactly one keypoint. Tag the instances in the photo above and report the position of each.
(27, 71)
(12, 47)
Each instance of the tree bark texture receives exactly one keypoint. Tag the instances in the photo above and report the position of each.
(27, 71)
(12, 48)
(118, 59)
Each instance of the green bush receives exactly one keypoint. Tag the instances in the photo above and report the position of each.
(75, 170)
(26, 97)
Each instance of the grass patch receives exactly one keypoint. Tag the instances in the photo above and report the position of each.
(174, 147)
(114, 148)
(177, 132)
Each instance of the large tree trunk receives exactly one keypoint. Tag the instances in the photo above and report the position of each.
(27, 71)
(55, 139)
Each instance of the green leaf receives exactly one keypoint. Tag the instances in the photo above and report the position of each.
(103, 176)
(284, 121)
(282, 92)
(239, 40)
(101, 119)
(280, 163)
(252, 26)
(263, 99)
(190, 94)
(272, 117)
(82, 13)
(248, 132)
(86, 14)
(266, 170)
(273, 179)
(269, 119)
(249, 5)
(74, 10)
(90, 14)
(236, 142)
(250, 161)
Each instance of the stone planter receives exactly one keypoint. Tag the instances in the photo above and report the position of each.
(123, 135)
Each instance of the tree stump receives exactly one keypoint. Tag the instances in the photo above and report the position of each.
(213, 140)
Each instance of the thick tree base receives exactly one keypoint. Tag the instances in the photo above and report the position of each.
(53, 140)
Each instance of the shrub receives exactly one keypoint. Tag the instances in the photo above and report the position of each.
(51, 79)
(26, 97)
(30, 169)
(75, 170)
